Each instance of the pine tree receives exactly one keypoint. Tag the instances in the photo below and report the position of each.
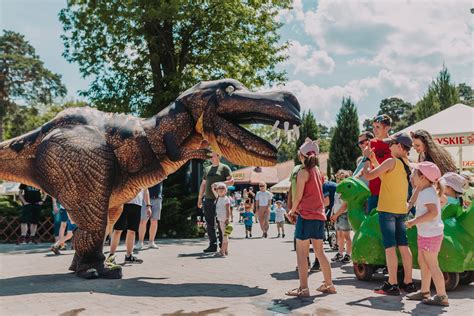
(445, 90)
(309, 128)
(428, 105)
(344, 150)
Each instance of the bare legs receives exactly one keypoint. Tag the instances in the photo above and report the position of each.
(302, 252)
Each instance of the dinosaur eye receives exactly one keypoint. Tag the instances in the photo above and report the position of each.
(348, 186)
(230, 90)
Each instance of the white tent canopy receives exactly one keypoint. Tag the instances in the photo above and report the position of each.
(452, 128)
(281, 187)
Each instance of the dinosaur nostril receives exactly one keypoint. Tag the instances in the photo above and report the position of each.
(348, 186)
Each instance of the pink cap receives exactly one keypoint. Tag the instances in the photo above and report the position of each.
(454, 180)
(429, 170)
(309, 147)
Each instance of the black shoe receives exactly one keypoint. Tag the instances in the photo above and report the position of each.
(250, 235)
(34, 240)
(408, 288)
(346, 259)
(337, 257)
(316, 267)
(388, 289)
(278, 236)
(210, 249)
(132, 259)
(283, 236)
(246, 236)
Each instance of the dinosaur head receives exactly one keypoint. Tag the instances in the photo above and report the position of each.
(220, 107)
(353, 191)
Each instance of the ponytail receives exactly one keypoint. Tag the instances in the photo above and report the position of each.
(439, 188)
(311, 161)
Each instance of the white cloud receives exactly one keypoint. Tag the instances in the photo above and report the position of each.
(326, 102)
(408, 37)
(303, 60)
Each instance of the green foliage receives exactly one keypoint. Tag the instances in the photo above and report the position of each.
(24, 78)
(367, 125)
(8, 207)
(466, 94)
(344, 150)
(445, 90)
(309, 128)
(21, 119)
(441, 95)
(143, 53)
(428, 105)
(398, 110)
(179, 207)
(286, 151)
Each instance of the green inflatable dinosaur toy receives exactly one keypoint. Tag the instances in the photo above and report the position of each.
(456, 255)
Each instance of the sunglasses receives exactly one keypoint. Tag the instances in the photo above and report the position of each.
(360, 142)
(382, 119)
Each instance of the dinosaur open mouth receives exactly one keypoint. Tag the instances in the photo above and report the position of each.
(234, 139)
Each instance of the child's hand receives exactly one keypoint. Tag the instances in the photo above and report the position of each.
(410, 223)
(333, 218)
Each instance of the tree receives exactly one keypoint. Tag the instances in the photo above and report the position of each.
(397, 109)
(22, 119)
(466, 94)
(143, 53)
(428, 105)
(286, 151)
(446, 91)
(367, 125)
(309, 128)
(23, 77)
(344, 150)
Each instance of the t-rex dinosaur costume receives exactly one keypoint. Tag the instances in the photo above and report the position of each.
(93, 162)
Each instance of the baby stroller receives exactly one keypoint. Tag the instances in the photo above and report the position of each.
(330, 231)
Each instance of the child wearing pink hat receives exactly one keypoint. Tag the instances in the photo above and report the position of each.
(430, 232)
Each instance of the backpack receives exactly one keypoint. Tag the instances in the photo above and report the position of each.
(410, 188)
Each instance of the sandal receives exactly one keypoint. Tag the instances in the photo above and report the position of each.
(299, 292)
(329, 289)
(438, 300)
(418, 296)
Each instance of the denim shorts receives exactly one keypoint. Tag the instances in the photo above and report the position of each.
(372, 202)
(342, 223)
(63, 215)
(393, 229)
(309, 229)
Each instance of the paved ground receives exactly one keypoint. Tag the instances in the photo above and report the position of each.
(178, 279)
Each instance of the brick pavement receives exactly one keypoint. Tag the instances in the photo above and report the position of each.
(178, 279)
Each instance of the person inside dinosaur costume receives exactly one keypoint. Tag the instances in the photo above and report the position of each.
(93, 162)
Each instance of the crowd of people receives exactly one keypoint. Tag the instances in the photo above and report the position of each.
(398, 187)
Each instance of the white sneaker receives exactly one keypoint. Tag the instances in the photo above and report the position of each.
(138, 246)
(153, 245)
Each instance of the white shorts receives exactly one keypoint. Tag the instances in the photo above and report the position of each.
(156, 205)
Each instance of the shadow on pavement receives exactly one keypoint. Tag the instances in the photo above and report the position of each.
(287, 305)
(147, 287)
(383, 302)
(284, 276)
(198, 313)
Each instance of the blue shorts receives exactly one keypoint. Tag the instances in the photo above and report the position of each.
(63, 215)
(70, 226)
(372, 202)
(393, 229)
(309, 229)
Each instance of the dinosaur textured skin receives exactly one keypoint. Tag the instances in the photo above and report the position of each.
(94, 162)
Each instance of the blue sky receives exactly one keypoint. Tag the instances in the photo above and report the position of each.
(368, 50)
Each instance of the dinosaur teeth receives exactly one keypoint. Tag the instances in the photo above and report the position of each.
(289, 136)
(286, 126)
(275, 126)
(296, 131)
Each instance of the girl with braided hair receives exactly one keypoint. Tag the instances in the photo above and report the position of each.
(428, 150)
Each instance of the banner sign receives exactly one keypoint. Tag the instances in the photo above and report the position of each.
(455, 140)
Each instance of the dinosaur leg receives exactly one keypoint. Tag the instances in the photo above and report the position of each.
(78, 168)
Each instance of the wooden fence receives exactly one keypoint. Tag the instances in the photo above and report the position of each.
(10, 229)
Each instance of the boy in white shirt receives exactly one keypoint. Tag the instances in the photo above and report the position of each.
(263, 201)
(280, 218)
